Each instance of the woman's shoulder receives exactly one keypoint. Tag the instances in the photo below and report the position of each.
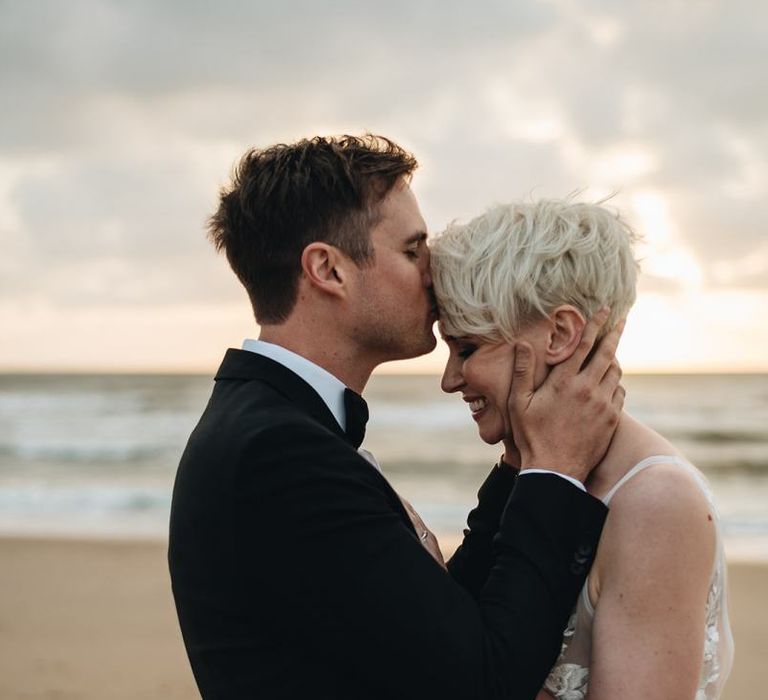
(661, 523)
(651, 474)
(659, 507)
(660, 516)
(661, 486)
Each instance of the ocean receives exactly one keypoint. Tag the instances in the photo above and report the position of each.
(95, 455)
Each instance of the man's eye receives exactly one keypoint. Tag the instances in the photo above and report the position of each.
(412, 253)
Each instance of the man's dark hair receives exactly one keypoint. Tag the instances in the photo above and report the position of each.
(285, 197)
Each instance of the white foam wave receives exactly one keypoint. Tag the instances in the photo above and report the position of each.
(41, 499)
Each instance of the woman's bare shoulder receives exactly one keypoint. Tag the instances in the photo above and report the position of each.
(658, 519)
(665, 486)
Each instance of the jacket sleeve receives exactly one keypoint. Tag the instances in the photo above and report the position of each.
(471, 562)
(350, 583)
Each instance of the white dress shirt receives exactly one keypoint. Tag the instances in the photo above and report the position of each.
(331, 391)
(329, 388)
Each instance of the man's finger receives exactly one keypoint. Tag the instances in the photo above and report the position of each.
(617, 400)
(605, 356)
(522, 375)
(612, 377)
(574, 362)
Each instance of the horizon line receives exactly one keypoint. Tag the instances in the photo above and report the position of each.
(167, 372)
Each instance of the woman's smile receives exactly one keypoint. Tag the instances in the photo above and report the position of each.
(477, 406)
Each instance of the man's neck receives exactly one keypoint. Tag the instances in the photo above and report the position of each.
(333, 354)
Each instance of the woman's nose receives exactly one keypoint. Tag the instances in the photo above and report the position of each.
(452, 379)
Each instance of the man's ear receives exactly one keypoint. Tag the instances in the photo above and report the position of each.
(566, 326)
(326, 268)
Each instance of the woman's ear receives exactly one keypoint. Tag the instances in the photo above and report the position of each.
(325, 268)
(566, 324)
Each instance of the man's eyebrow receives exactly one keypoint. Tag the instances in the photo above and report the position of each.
(417, 237)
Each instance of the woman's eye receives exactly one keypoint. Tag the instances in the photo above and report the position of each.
(466, 351)
(412, 253)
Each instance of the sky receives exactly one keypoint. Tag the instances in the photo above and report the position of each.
(120, 121)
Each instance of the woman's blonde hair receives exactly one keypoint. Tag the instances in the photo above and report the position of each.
(518, 262)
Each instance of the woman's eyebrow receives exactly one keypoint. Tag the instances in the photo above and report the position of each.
(453, 338)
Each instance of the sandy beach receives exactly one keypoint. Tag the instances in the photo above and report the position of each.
(94, 620)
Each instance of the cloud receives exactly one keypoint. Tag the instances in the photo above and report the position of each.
(122, 119)
(97, 230)
(143, 50)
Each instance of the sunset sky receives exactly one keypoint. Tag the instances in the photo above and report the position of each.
(120, 121)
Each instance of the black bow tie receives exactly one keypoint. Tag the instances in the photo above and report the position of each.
(357, 417)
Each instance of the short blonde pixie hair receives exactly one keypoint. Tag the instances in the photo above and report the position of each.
(518, 262)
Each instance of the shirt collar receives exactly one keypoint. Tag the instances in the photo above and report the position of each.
(329, 388)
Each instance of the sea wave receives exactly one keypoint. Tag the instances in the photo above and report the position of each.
(82, 498)
(424, 415)
(717, 437)
(79, 403)
(101, 450)
(82, 453)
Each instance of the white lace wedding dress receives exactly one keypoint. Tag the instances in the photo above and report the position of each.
(569, 679)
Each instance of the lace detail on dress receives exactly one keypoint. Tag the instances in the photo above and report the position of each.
(710, 670)
(568, 681)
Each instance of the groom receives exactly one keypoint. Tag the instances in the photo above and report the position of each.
(296, 569)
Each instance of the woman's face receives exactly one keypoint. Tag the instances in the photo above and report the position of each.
(482, 371)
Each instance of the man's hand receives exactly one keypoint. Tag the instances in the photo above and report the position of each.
(567, 423)
(427, 538)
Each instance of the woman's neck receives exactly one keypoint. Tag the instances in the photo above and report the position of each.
(632, 442)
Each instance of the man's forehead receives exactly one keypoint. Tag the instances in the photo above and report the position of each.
(400, 231)
(400, 205)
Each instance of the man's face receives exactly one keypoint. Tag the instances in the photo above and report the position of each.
(395, 305)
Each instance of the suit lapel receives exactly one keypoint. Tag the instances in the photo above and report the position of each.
(246, 365)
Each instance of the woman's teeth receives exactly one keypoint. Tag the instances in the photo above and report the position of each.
(477, 405)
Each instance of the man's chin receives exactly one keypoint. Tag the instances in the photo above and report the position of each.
(429, 344)
(411, 351)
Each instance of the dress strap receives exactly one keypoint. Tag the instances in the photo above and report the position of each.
(647, 462)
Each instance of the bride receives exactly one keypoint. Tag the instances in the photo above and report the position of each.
(651, 621)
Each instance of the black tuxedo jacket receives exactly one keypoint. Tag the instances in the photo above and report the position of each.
(297, 573)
